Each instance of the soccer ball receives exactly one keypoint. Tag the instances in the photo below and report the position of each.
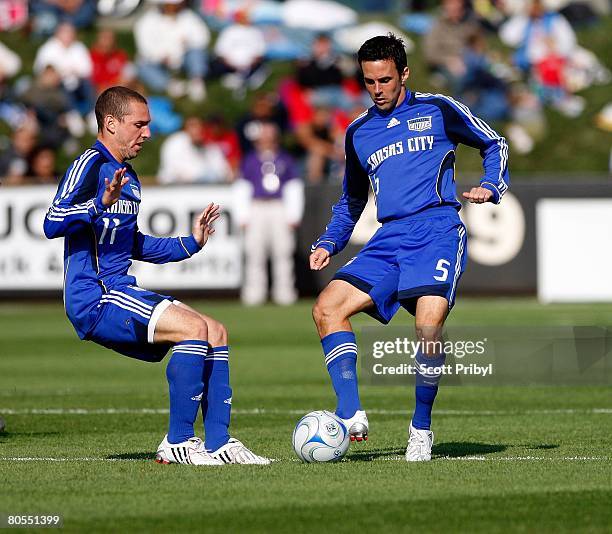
(320, 437)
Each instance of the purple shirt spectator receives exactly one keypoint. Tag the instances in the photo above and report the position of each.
(268, 172)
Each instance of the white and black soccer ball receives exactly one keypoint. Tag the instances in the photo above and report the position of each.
(320, 437)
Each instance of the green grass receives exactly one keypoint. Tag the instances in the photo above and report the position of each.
(544, 460)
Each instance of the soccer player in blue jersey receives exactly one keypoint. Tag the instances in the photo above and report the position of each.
(95, 210)
(403, 147)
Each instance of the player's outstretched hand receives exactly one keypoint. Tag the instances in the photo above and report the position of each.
(203, 223)
(478, 195)
(319, 259)
(113, 187)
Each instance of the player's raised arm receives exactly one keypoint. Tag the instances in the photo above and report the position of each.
(170, 249)
(346, 212)
(463, 127)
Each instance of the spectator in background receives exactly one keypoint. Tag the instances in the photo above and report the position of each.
(217, 132)
(14, 160)
(48, 14)
(275, 211)
(317, 139)
(51, 106)
(266, 107)
(546, 43)
(110, 63)
(322, 68)
(10, 65)
(41, 166)
(445, 43)
(239, 55)
(479, 88)
(169, 40)
(70, 58)
(536, 33)
(184, 159)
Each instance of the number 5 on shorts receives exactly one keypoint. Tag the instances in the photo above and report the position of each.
(442, 268)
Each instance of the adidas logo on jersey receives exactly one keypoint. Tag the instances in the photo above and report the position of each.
(197, 397)
(393, 122)
(227, 401)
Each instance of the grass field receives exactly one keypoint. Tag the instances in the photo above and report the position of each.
(83, 424)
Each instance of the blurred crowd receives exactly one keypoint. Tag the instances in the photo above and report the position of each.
(46, 106)
(506, 59)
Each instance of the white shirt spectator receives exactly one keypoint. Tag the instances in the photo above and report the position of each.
(183, 162)
(240, 45)
(560, 35)
(166, 38)
(72, 62)
(9, 62)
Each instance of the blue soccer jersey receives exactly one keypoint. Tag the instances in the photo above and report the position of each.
(407, 157)
(101, 243)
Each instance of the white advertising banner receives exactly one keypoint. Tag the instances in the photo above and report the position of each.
(574, 250)
(29, 261)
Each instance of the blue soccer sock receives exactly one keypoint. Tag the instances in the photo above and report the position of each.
(341, 359)
(217, 400)
(184, 373)
(426, 389)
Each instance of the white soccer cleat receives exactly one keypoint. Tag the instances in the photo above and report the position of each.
(419, 445)
(357, 426)
(189, 452)
(234, 452)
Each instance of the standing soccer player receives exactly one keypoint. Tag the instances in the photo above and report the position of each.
(404, 148)
(95, 210)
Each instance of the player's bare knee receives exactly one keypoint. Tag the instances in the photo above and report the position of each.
(217, 334)
(322, 311)
(196, 328)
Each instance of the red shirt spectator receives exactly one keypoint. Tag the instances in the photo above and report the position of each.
(109, 62)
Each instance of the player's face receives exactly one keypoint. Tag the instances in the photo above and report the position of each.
(133, 130)
(384, 84)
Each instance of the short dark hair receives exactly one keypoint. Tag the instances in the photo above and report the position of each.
(115, 101)
(384, 47)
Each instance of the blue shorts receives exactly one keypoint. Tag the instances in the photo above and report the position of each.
(407, 259)
(126, 321)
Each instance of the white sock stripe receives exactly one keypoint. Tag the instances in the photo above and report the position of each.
(341, 347)
(186, 351)
(127, 302)
(220, 353)
(120, 304)
(130, 297)
(194, 346)
(329, 360)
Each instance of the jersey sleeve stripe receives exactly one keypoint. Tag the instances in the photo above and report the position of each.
(482, 126)
(71, 172)
(77, 172)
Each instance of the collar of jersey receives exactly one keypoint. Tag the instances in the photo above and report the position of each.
(98, 145)
(395, 110)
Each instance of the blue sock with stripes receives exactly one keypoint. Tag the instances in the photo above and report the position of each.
(341, 359)
(217, 399)
(184, 374)
(426, 388)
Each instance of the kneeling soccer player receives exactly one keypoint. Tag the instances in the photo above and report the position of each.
(404, 148)
(95, 210)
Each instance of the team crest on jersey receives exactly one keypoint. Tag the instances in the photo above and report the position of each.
(419, 124)
(136, 191)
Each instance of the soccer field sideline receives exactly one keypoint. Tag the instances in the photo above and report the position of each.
(82, 426)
